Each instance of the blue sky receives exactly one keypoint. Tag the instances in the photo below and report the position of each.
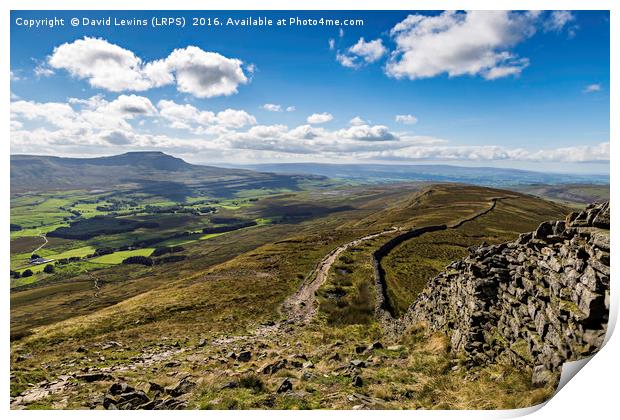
(510, 89)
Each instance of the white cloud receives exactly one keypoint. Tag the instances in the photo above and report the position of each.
(117, 138)
(41, 70)
(235, 118)
(93, 102)
(406, 119)
(513, 69)
(290, 108)
(205, 74)
(184, 116)
(558, 19)
(347, 61)
(320, 118)
(272, 107)
(105, 65)
(456, 44)
(111, 67)
(370, 51)
(188, 117)
(594, 87)
(362, 53)
(54, 113)
(332, 43)
(14, 77)
(576, 154)
(130, 106)
(306, 132)
(596, 153)
(367, 133)
(357, 121)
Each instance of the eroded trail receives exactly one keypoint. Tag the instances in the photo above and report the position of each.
(300, 307)
(45, 241)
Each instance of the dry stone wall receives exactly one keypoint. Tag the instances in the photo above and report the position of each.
(540, 300)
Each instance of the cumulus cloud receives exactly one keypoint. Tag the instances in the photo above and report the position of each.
(406, 119)
(191, 118)
(290, 108)
(356, 121)
(184, 116)
(594, 87)
(130, 106)
(347, 61)
(111, 67)
(117, 138)
(205, 74)
(272, 107)
(370, 51)
(456, 44)
(362, 53)
(54, 113)
(235, 118)
(103, 64)
(320, 118)
(367, 133)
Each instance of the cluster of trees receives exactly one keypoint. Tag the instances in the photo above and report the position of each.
(48, 269)
(180, 209)
(170, 259)
(167, 250)
(84, 229)
(148, 261)
(139, 259)
(229, 228)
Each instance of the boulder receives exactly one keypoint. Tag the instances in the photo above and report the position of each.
(244, 356)
(285, 386)
(184, 386)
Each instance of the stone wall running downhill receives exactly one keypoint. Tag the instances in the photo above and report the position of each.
(540, 300)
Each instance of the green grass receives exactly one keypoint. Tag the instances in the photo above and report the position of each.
(413, 263)
(76, 252)
(119, 256)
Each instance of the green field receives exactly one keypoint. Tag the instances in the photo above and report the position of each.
(119, 256)
(76, 252)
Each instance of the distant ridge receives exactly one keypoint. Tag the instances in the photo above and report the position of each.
(152, 160)
(152, 170)
(484, 176)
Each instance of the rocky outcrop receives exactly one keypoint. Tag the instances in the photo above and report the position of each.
(540, 300)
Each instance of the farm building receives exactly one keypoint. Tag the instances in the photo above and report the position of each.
(39, 260)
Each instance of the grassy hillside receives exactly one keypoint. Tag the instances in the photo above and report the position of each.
(147, 172)
(410, 265)
(230, 290)
(575, 195)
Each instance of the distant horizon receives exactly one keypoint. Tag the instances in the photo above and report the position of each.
(386, 164)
